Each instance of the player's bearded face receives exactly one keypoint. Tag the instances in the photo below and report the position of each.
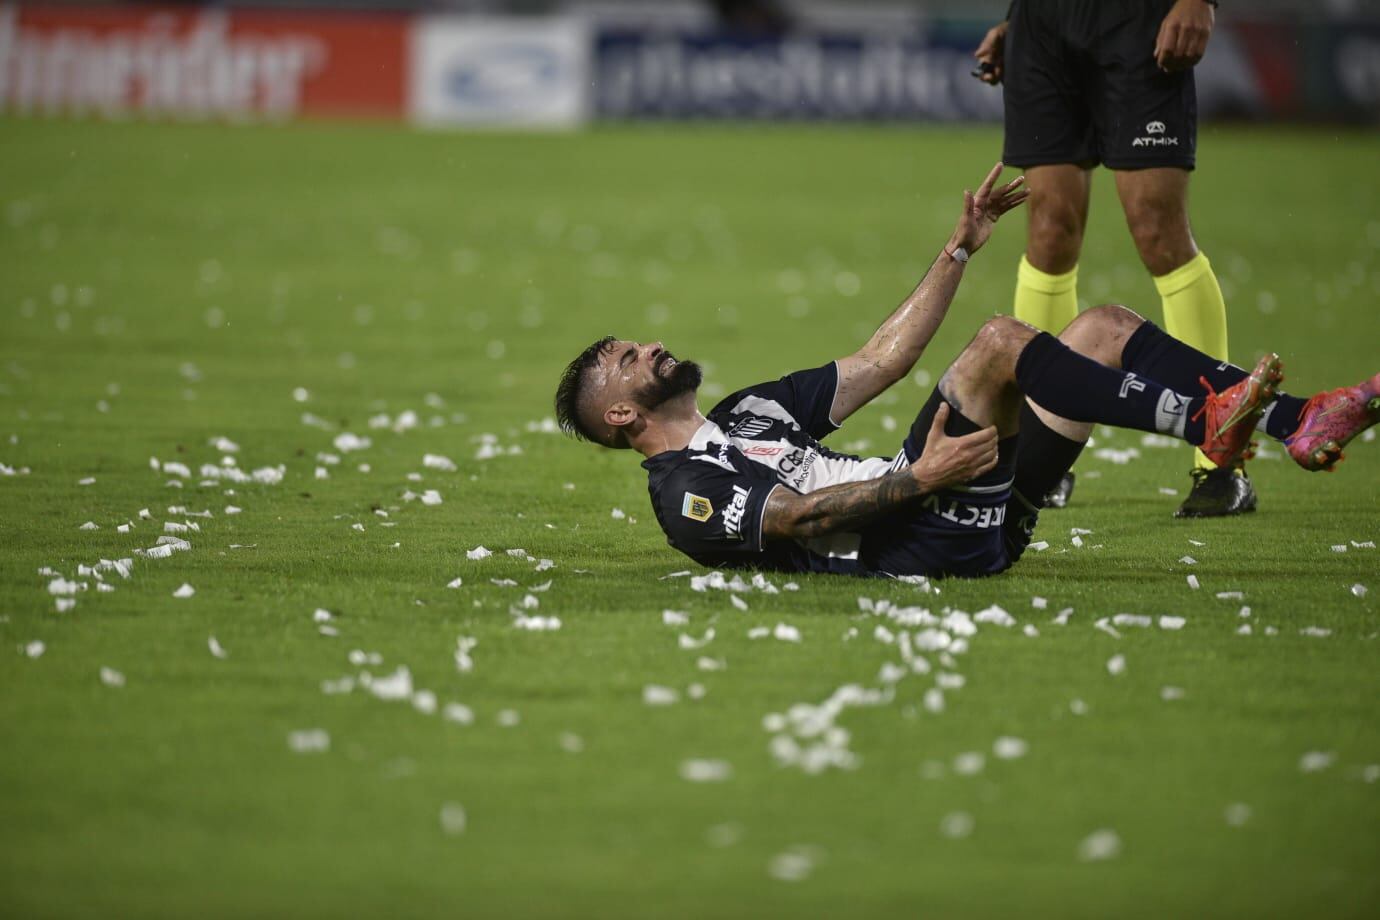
(670, 378)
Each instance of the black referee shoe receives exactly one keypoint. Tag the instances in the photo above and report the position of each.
(1058, 497)
(1218, 493)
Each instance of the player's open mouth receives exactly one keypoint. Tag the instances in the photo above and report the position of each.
(664, 362)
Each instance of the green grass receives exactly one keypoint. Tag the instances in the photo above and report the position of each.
(374, 267)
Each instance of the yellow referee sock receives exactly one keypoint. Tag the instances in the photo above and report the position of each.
(1195, 313)
(1049, 302)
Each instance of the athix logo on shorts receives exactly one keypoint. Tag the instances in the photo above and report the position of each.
(1154, 136)
(733, 514)
(696, 507)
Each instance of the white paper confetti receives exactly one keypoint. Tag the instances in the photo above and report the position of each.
(697, 770)
(34, 648)
(1171, 623)
(657, 695)
(969, 763)
(1009, 748)
(453, 819)
(956, 825)
(215, 648)
(112, 678)
(1193, 582)
(458, 713)
(1170, 694)
(309, 741)
(185, 591)
(1099, 845)
(793, 865)
(1237, 814)
(1116, 665)
(1316, 761)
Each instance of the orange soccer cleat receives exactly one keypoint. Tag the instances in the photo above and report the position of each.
(1330, 420)
(1232, 413)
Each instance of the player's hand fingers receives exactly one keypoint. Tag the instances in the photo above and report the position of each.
(941, 415)
(985, 189)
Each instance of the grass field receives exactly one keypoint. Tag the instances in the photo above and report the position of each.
(165, 286)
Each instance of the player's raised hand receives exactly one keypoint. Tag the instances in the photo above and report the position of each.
(982, 208)
(990, 55)
(949, 461)
(1183, 36)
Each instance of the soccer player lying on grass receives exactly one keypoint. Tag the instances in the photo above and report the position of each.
(751, 485)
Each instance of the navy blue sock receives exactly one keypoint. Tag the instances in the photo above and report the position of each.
(1082, 390)
(1043, 456)
(1154, 353)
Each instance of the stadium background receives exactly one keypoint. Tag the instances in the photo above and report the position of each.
(288, 228)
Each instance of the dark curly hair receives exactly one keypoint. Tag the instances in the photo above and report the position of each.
(571, 389)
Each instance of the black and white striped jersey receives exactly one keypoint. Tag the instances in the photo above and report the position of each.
(709, 498)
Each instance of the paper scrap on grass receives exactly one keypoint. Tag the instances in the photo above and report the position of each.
(309, 741)
(438, 462)
(1172, 623)
(453, 819)
(1169, 694)
(1316, 761)
(1237, 814)
(956, 825)
(1193, 582)
(657, 695)
(794, 864)
(699, 770)
(111, 677)
(215, 648)
(1099, 845)
(458, 713)
(969, 763)
(34, 648)
(479, 552)
(1116, 665)
(1009, 748)
(185, 591)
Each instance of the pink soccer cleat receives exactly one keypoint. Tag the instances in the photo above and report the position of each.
(1232, 413)
(1330, 420)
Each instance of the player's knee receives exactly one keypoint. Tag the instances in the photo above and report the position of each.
(1101, 332)
(1003, 335)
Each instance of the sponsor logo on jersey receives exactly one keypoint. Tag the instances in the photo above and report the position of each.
(797, 461)
(1154, 136)
(762, 450)
(696, 507)
(733, 514)
(750, 427)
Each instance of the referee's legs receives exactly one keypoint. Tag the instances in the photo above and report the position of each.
(1047, 280)
(1156, 205)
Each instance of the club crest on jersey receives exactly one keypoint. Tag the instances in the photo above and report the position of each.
(750, 427)
(696, 507)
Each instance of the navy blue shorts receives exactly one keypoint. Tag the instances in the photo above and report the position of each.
(956, 532)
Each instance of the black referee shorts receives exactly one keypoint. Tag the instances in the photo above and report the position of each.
(1081, 86)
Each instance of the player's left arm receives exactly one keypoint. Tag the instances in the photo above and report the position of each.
(1183, 37)
(898, 343)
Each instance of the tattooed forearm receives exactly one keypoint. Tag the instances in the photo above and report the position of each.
(837, 507)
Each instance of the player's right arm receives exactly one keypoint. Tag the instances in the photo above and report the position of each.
(947, 461)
